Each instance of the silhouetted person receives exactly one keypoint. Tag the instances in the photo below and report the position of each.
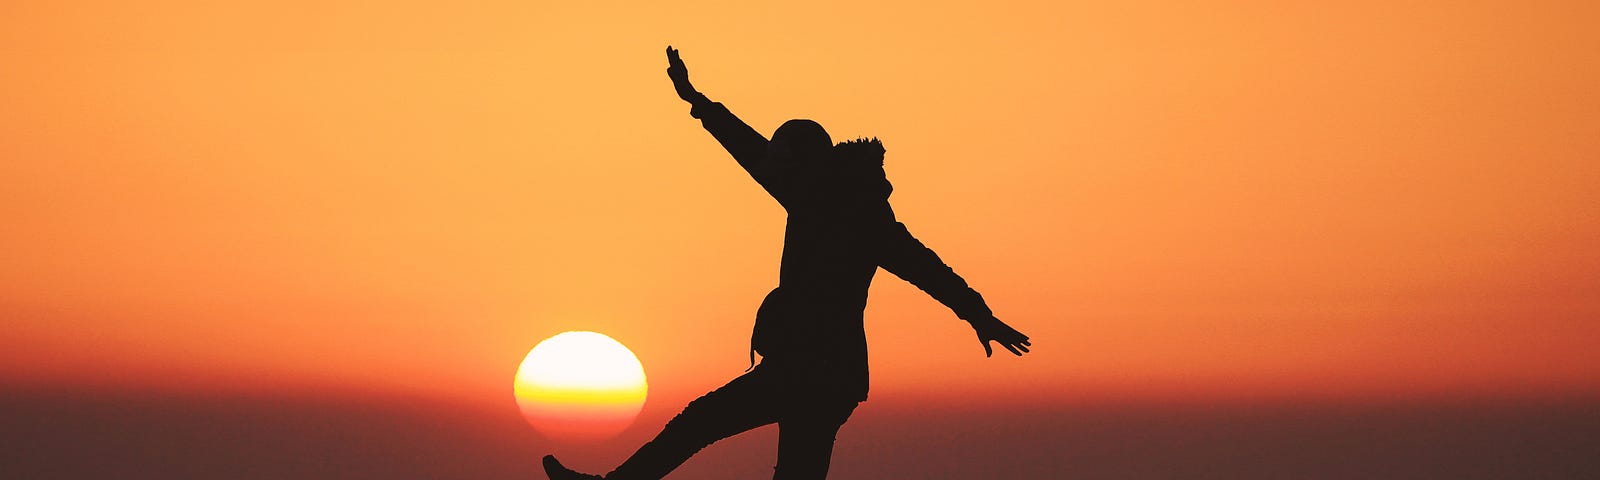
(809, 332)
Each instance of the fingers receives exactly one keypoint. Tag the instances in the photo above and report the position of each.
(676, 70)
(1012, 348)
(672, 57)
(1009, 338)
(1015, 347)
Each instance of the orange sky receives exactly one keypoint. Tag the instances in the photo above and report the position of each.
(1177, 200)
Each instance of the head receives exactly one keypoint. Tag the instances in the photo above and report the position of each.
(799, 142)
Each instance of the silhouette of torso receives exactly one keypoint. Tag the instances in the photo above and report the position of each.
(840, 230)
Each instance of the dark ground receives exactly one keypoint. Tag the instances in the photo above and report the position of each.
(54, 435)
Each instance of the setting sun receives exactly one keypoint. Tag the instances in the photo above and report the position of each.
(580, 386)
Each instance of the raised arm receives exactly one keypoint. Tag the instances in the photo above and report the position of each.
(906, 257)
(747, 146)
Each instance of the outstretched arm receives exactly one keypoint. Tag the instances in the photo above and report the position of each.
(907, 258)
(747, 146)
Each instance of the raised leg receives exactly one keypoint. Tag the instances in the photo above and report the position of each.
(745, 403)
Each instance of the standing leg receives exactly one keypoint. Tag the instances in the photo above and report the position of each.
(746, 402)
(805, 439)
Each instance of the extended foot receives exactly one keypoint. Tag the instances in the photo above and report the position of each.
(556, 471)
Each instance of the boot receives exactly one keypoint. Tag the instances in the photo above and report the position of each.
(556, 471)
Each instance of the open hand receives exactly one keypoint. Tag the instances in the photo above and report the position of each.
(993, 330)
(680, 77)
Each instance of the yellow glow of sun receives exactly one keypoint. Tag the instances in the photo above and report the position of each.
(580, 386)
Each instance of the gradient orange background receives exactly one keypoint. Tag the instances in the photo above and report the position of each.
(1226, 201)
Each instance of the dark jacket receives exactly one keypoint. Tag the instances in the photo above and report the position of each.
(840, 230)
